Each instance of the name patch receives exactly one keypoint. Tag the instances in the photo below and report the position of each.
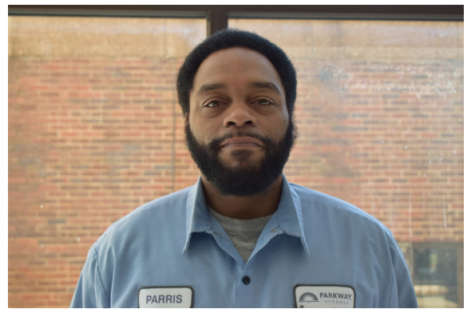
(166, 297)
(324, 296)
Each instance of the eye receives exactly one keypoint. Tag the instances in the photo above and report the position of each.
(264, 102)
(213, 104)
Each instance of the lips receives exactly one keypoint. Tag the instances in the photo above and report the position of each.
(242, 142)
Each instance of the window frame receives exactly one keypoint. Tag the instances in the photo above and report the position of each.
(217, 15)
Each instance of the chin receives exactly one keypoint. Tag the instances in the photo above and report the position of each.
(241, 160)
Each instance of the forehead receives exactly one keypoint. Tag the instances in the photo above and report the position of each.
(233, 64)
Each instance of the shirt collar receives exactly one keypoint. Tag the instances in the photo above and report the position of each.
(288, 213)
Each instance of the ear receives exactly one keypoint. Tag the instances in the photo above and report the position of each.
(187, 118)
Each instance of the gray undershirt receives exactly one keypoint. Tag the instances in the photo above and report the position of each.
(243, 233)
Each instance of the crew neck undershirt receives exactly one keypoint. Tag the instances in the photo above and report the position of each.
(243, 233)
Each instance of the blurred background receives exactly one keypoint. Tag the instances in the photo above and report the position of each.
(95, 129)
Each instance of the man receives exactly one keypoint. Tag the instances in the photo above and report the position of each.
(243, 236)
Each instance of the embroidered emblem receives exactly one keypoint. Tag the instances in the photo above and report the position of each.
(324, 296)
(308, 297)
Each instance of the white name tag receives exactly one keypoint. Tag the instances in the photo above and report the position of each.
(324, 296)
(166, 297)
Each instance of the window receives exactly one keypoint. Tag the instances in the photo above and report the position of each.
(95, 129)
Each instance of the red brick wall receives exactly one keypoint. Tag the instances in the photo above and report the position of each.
(397, 155)
(92, 137)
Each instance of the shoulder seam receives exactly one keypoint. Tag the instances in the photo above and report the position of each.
(336, 207)
(391, 291)
(392, 243)
(362, 214)
(99, 274)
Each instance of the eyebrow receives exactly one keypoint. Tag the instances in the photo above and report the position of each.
(210, 87)
(265, 85)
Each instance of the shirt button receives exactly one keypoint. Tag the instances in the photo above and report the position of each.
(246, 280)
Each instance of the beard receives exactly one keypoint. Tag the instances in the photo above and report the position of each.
(246, 179)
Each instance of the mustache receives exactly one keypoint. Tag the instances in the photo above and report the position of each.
(215, 144)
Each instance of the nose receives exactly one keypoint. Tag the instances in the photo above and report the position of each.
(239, 114)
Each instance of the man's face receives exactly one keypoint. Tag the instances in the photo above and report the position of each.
(238, 129)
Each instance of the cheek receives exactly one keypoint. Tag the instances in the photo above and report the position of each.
(203, 130)
(278, 128)
(280, 122)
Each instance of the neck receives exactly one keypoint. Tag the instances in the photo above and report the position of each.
(243, 207)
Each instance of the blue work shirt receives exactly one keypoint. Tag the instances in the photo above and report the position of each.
(312, 239)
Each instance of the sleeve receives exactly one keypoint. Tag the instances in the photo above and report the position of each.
(402, 290)
(90, 292)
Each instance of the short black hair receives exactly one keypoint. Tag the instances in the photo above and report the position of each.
(229, 38)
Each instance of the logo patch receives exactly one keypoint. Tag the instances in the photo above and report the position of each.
(324, 296)
(166, 297)
(308, 297)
